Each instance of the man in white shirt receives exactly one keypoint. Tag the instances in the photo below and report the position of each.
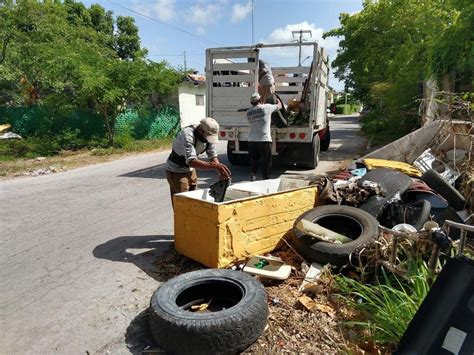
(260, 138)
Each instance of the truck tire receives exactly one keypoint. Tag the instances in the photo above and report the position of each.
(236, 315)
(236, 159)
(326, 141)
(349, 221)
(434, 180)
(313, 154)
(231, 156)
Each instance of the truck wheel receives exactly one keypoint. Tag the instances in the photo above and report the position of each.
(231, 156)
(326, 141)
(236, 159)
(233, 312)
(313, 154)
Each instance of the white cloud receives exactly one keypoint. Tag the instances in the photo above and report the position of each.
(164, 10)
(240, 12)
(204, 15)
(289, 56)
(284, 34)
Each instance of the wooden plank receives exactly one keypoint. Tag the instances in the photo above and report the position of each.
(233, 78)
(237, 102)
(290, 70)
(233, 91)
(233, 54)
(227, 119)
(233, 66)
(286, 79)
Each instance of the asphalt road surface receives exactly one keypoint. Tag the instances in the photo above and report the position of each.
(78, 249)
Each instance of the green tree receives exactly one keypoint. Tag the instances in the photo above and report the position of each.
(127, 39)
(388, 41)
(389, 48)
(66, 57)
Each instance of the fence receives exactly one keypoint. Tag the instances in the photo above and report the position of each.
(40, 121)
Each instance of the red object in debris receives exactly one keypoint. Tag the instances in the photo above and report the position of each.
(343, 175)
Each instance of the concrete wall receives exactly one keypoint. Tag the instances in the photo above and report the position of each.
(189, 112)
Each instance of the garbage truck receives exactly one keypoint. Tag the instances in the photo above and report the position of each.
(300, 129)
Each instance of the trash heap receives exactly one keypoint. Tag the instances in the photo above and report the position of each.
(383, 203)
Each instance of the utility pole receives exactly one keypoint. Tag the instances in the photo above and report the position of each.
(184, 61)
(253, 30)
(300, 40)
(345, 103)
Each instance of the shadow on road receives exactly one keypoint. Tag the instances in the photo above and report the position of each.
(152, 172)
(141, 250)
(138, 336)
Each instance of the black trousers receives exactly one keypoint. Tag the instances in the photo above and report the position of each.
(260, 154)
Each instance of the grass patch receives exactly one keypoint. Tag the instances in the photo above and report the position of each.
(19, 156)
(385, 308)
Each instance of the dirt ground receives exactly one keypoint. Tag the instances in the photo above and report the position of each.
(316, 327)
(65, 160)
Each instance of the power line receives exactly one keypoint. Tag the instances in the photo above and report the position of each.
(176, 54)
(164, 23)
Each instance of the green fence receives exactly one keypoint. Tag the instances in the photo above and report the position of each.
(161, 124)
(40, 122)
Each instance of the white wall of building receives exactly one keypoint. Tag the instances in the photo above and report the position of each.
(189, 112)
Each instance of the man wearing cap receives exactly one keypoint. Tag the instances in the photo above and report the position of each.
(260, 138)
(183, 161)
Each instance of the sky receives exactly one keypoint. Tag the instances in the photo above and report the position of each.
(168, 28)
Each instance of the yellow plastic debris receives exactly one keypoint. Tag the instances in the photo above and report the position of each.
(4, 127)
(405, 168)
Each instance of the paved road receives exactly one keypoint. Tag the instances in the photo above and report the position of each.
(77, 250)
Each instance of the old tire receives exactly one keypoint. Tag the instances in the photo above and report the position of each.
(237, 317)
(349, 221)
(326, 141)
(434, 180)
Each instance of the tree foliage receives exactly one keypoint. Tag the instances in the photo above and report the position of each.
(389, 48)
(67, 57)
(389, 41)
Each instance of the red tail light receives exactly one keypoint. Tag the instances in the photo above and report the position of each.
(302, 135)
(222, 133)
(292, 135)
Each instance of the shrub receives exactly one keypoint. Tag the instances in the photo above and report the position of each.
(347, 109)
(388, 306)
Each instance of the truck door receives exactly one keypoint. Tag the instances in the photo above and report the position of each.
(231, 77)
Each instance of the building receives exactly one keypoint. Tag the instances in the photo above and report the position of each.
(192, 99)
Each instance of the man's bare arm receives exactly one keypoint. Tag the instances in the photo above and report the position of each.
(214, 164)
